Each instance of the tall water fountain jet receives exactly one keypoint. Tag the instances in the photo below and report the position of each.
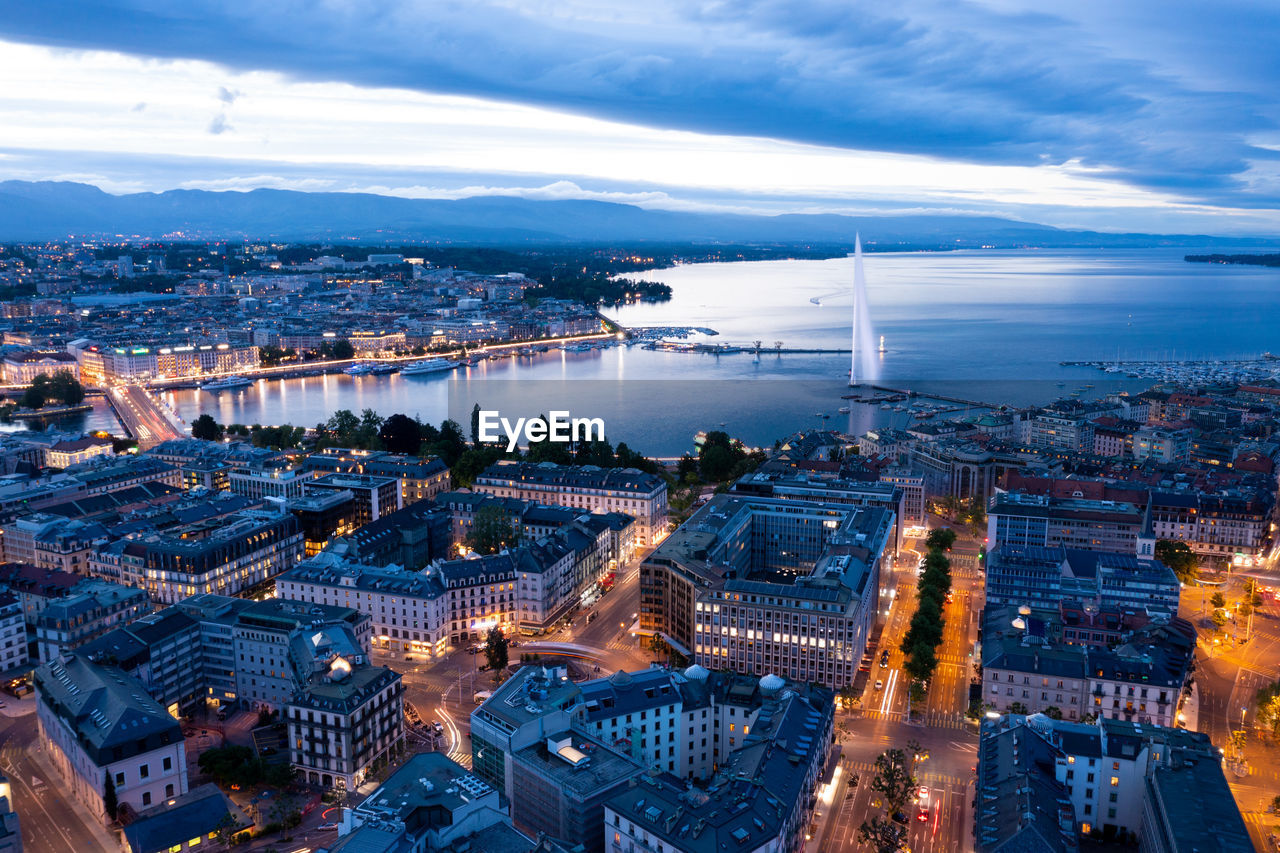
(865, 366)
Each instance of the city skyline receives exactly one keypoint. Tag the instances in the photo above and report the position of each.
(1075, 116)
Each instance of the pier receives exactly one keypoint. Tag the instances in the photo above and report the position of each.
(976, 404)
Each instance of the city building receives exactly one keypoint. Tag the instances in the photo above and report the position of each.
(323, 517)
(1029, 666)
(99, 727)
(758, 585)
(430, 804)
(13, 638)
(63, 454)
(1045, 784)
(1018, 518)
(760, 798)
(268, 478)
(226, 556)
(585, 487)
(21, 368)
(372, 497)
(1043, 576)
(408, 610)
(10, 828)
(92, 610)
(190, 821)
(346, 716)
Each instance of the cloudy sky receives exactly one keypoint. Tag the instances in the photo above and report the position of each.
(1119, 116)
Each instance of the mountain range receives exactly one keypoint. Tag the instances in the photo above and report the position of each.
(51, 210)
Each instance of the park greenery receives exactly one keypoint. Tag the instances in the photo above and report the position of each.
(62, 387)
(1179, 557)
(492, 531)
(239, 765)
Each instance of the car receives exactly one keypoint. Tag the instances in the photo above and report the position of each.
(923, 814)
(269, 750)
(437, 727)
(884, 663)
(899, 817)
(513, 644)
(879, 684)
(922, 795)
(327, 827)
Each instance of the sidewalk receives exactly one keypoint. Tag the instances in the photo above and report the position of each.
(15, 707)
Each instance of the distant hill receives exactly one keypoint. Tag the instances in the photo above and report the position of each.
(54, 210)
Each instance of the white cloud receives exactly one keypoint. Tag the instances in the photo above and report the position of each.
(84, 101)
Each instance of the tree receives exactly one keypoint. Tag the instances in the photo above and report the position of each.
(921, 662)
(1267, 703)
(475, 425)
(941, 538)
(495, 652)
(206, 428)
(448, 443)
(65, 387)
(343, 425)
(1053, 712)
(1218, 600)
(110, 801)
(401, 434)
(1179, 557)
(893, 780)
(32, 398)
(1018, 708)
(492, 531)
(342, 350)
(881, 834)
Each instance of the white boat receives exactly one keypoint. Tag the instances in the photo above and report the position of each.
(358, 370)
(844, 410)
(427, 365)
(226, 384)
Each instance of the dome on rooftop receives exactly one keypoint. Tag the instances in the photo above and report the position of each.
(696, 673)
(620, 679)
(771, 684)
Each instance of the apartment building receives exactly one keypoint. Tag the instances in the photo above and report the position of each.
(587, 488)
(13, 636)
(1026, 667)
(97, 722)
(408, 610)
(1044, 784)
(346, 715)
(226, 556)
(95, 607)
(469, 813)
(760, 798)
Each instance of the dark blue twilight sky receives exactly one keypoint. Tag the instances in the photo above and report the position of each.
(1134, 115)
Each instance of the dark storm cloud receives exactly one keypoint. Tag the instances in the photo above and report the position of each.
(1147, 94)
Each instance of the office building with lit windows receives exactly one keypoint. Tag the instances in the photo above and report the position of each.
(766, 585)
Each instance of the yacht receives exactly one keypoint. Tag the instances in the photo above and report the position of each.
(226, 384)
(384, 369)
(361, 369)
(428, 365)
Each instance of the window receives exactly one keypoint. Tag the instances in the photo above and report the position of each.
(168, 763)
(144, 771)
(1115, 780)
(146, 798)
